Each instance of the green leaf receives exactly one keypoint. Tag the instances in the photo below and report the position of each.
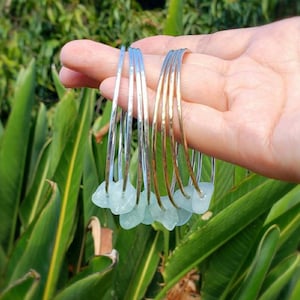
(147, 267)
(37, 196)
(23, 288)
(38, 244)
(60, 89)
(63, 127)
(3, 263)
(13, 150)
(139, 250)
(290, 200)
(223, 267)
(37, 170)
(68, 176)
(92, 282)
(250, 287)
(240, 174)
(174, 21)
(90, 183)
(279, 277)
(248, 202)
(286, 215)
(295, 292)
(223, 179)
(99, 148)
(37, 143)
(1, 130)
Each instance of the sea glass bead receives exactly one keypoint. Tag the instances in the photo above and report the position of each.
(183, 216)
(166, 215)
(118, 201)
(135, 216)
(181, 200)
(100, 197)
(148, 219)
(121, 202)
(200, 202)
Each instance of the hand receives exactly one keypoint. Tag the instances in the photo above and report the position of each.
(240, 89)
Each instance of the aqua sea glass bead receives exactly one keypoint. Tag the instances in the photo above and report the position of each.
(148, 219)
(121, 202)
(166, 215)
(184, 201)
(200, 202)
(183, 216)
(135, 216)
(100, 197)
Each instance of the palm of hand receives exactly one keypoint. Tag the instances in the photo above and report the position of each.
(263, 97)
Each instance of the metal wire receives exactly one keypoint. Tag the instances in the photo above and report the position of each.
(113, 123)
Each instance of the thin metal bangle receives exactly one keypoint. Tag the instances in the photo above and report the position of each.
(146, 135)
(129, 119)
(174, 145)
(113, 120)
(154, 132)
(165, 122)
(167, 107)
(140, 120)
(180, 121)
(144, 175)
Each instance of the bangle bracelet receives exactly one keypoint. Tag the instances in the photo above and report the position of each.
(167, 185)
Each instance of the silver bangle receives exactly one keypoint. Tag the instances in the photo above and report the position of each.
(157, 151)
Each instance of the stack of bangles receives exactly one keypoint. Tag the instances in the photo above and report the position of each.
(165, 185)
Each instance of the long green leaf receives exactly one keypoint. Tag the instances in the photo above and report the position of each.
(223, 179)
(93, 283)
(223, 226)
(38, 245)
(290, 200)
(279, 277)
(68, 176)
(13, 150)
(239, 174)
(37, 143)
(287, 217)
(60, 89)
(23, 288)
(48, 159)
(99, 148)
(295, 292)
(136, 252)
(36, 197)
(251, 286)
(224, 265)
(146, 269)
(174, 21)
(64, 120)
(1, 130)
(3, 262)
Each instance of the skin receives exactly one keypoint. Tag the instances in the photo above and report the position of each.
(240, 90)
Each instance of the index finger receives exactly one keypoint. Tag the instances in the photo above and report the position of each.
(227, 44)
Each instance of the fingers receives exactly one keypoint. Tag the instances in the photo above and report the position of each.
(89, 63)
(87, 60)
(72, 79)
(211, 135)
(213, 132)
(228, 44)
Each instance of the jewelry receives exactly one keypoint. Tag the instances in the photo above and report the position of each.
(167, 187)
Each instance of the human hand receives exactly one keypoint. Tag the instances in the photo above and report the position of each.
(240, 90)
